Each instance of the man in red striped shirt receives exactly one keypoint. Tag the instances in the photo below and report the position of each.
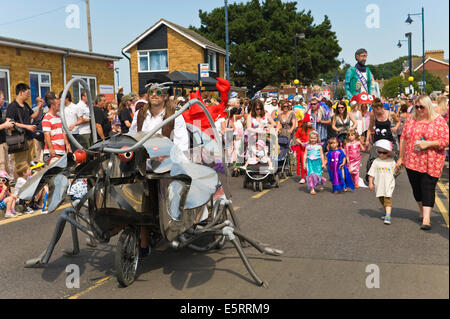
(56, 142)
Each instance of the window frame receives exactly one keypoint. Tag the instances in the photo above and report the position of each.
(142, 53)
(87, 78)
(40, 84)
(8, 86)
(213, 67)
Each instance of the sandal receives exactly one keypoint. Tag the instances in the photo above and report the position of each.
(425, 227)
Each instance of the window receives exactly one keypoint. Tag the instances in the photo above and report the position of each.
(212, 58)
(4, 87)
(40, 84)
(153, 61)
(77, 87)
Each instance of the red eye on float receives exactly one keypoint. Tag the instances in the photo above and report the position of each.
(80, 156)
(126, 157)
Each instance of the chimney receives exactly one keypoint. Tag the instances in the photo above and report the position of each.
(435, 54)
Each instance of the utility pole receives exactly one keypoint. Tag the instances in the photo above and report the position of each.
(88, 11)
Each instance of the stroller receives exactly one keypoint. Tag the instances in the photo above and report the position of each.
(285, 158)
(260, 173)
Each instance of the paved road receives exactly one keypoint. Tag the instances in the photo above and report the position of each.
(329, 241)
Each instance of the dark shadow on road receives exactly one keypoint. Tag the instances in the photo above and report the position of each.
(100, 258)
(438, 225)
(189, 269)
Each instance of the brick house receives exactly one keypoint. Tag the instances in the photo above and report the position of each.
(48, 68)
(434, 63)
(167, 47)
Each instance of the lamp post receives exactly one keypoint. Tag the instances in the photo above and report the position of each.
(227, 56)
(409, 21)
(399, 44)
(299, 36)
(337, 78)
(117, 73)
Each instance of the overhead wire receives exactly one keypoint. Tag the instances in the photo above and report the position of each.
(39, 14)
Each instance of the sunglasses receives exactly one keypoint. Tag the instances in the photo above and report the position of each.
(341, 107)
(420, 107)
(382, 152)
(313, 103)
(3, 180)
(157, 92)
(258, 109)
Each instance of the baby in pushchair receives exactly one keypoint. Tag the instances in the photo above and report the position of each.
(258, 154)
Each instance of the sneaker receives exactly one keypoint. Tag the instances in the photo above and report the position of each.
(44, 212)
(302, 181)
(29, 211)
(383, 217)
(387, 220)
(10, 215)
(35, 206)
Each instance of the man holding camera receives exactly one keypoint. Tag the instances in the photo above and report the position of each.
(4, 125)
(22, 114)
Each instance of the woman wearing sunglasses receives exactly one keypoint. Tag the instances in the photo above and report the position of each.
(422, 144)
(342, 121)
(380, 128)
(259, 119)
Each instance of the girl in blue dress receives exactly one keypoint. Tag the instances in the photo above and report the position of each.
(340, 177)
(314, 161)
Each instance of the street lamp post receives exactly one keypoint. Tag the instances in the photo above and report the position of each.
(299, 36)
(117, 73)
(337, 78)
(227, 57)
(399, 44)
(409, 21)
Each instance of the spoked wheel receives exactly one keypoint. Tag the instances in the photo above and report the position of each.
(255, 186)
(127, 257)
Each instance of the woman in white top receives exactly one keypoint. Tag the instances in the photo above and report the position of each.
(258, 119)
(158, 109)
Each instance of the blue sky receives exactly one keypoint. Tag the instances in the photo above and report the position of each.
(116, 23)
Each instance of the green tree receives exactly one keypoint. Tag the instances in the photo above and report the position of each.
(391, 87)
(262, 48)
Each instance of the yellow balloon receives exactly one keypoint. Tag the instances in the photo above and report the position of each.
(410, 79)
(296, 82)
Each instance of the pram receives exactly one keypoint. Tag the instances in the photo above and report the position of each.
(259, 174)
(285, 157)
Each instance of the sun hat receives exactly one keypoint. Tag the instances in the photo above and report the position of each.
(384, 145)
(4, 174)
(40, 164)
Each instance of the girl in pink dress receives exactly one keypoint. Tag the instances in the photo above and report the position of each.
(353, 148)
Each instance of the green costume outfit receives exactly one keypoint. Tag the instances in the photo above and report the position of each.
(353, 85)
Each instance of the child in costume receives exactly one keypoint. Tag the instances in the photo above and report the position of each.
(301, 137)
(314, 161)
(353, 148)
(381, 177)
(340, 177)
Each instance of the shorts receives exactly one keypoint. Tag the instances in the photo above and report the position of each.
(385, 201)
(2, 204)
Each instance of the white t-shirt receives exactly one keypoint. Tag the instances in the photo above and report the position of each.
(382, 172)
(71, 113)
(83, 111)
(19, 184)
(180, 134)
